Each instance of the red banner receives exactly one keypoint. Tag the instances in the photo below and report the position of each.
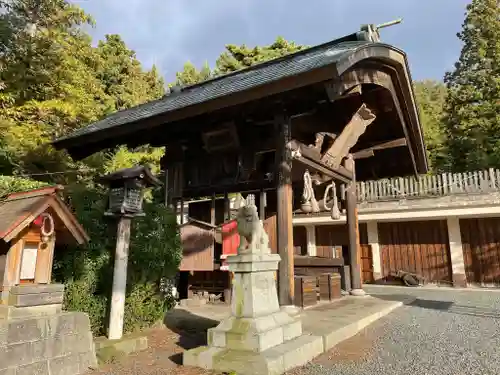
(230, 241)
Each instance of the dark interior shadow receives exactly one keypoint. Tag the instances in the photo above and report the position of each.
(446, 306)
(191, 328)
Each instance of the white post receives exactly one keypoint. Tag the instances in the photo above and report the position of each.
(372, 230)
(115, 330)
(311, 240)
(456, 252)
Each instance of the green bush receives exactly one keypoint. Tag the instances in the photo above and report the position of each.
(10, 184)
(88, 271)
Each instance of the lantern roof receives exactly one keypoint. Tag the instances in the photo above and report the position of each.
(138, 172)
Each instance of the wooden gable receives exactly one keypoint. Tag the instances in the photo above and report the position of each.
(197, 241)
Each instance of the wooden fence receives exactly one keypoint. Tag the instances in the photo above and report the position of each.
(425, 186)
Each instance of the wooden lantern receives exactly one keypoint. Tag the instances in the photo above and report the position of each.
(30, 224)
(126, 189)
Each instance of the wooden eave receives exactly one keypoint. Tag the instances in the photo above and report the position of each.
(99, 136)
(40, 200)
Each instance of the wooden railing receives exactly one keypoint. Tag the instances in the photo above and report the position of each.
(423, 186)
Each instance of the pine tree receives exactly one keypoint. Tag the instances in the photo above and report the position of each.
(240, 57)
(431, 96)
(473, 104)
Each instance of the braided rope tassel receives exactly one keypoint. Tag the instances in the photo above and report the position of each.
(308, 192)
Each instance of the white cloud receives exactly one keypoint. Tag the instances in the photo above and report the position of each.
(170, 32)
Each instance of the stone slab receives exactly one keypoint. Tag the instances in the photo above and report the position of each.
(58, 344)
(333, 322)
(13, 312)
(256, 334)
(274, 361)
(38, 288)
(127, 344)
(35, 299)
(345, 318)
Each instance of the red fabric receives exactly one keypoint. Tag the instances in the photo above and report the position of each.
(230, 241)
(38, 221)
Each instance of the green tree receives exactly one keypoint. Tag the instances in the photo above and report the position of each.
(52, 81)
(190, 75)
(240, 57)
(473, 102)
(49, 83)
(235, 58)
(123, 77)
(430, 97)
(127, 84)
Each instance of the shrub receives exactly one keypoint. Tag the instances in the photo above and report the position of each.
(87, 271)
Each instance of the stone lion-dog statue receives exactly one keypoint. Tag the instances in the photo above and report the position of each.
(253, 237)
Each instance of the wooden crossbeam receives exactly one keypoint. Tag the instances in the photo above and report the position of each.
(369, 152)
(349, 136)
(311, 157)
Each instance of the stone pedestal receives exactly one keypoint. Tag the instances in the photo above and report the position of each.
(259, 337)
(37, 337)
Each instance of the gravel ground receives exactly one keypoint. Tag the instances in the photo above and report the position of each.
(442, 332)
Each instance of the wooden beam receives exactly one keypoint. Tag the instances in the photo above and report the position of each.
(284, 226)
(368, 152)
(349, 136)
(319, 167)
(212, 210)
(353, 231)
(310, 156)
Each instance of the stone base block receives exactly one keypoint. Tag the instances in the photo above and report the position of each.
(47, 344)
(12, 312)
(274, 361)
(36, 295)
(358, 293)
(191, 302)
(109, 350)
(459, 280)
(255, 334)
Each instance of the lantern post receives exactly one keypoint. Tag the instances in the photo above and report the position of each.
(126, 195)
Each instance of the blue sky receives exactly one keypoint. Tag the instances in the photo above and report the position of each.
(170, 32)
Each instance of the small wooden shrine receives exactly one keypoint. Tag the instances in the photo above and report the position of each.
(31, 223)
(310, 122)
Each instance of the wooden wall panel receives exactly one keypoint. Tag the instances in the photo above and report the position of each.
(300, 240)
(420, 247)
(481, 249)
(270, 228)
(329, 236)
(197, 248)
(366, 263)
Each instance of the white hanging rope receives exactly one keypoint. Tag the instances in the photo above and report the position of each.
(47, 233)
(334, 209)
(308, 193)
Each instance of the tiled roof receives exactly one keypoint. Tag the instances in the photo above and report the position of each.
(268, 72)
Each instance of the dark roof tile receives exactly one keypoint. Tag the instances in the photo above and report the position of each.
(274, 70)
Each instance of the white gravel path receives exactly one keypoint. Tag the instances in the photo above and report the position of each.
(442, 332)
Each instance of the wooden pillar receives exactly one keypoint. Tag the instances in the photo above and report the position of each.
(262, 205)
(311, 240)
(284, 225)
(373, 241)
(115, 330)
(227, 217)
(227, 208)
(456, 252)
(353, 229)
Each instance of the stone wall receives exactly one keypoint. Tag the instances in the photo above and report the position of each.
(59, 344)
